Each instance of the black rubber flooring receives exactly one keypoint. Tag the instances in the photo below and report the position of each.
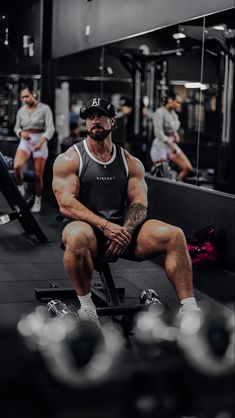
(26, 264)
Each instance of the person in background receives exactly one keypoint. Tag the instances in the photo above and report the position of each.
(165, 147)
(123, 133)
(34, 126)
(73, 138)
(73, 115)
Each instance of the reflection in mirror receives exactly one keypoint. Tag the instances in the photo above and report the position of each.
(159, 63)
(215, 95)
(136, 72)
(10, 100)
(9, 105)
(219, 95)
(86, 74)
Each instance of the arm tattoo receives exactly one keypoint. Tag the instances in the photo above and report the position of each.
(134, 216)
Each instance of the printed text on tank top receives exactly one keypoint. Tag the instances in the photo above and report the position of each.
(103, 185)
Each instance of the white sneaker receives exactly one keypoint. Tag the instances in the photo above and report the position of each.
(187, 308)
(37, 205)
(89, 314)
(22, 190)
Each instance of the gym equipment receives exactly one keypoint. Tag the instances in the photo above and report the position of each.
(208, 342)
(204, 338)
(20, 210)
(60, 309)
(4, 219)
(176, 369)
(75, 353)
(161, 169)
(108, 299)
(149, 296)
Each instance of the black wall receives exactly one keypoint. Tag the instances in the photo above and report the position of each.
(192, 208)
(24, 19)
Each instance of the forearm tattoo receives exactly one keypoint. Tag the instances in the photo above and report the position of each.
(134, 216)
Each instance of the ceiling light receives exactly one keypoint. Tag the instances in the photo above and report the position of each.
(179, 35)
(28, 45)
(144, 49)
(204, 86)
(192, 85)
(220, 27)
(110, 70)
(196, 85)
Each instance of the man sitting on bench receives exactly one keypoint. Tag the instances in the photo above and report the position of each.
(101, 188)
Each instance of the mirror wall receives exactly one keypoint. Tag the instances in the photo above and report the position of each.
(219, 99)
(140, 69)
(195, 59)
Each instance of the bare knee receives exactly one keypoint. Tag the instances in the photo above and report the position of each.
(18, 167)
(188, 169)
(160, 236)
(177, 238)
(77, 243)
(78, 240)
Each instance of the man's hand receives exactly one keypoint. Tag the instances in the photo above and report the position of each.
(117, 234)
(114, 249)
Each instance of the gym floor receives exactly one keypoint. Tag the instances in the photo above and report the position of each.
(26, 264)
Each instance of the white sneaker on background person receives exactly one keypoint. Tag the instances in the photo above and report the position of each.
(36, 208)
(21, 190)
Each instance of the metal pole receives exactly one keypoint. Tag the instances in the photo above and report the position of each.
(47, 65)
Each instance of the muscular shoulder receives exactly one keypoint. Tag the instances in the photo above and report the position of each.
(66, 163)
(135, 166)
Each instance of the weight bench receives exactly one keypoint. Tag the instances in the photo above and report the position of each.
(19, 208)
(108, 299)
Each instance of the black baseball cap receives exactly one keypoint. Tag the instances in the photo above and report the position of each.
(97, 103)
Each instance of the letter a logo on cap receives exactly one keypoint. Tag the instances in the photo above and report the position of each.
(96, 102)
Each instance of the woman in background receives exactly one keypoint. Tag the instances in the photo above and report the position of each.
(165, 145)
(34, 126)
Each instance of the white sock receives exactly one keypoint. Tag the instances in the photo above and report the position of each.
(188, 300)
(188, 304)
(86, 301)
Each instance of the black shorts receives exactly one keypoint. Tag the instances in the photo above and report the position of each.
(129, 253)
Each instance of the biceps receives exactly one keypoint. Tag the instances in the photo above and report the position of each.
(137, 191)
(65, 188)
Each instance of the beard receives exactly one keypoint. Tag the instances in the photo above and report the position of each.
(100, 135)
